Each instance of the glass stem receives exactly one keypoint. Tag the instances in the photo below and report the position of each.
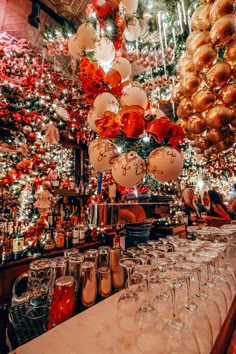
(172, 291)
(188, 281)
(199, 279)
(129, 270)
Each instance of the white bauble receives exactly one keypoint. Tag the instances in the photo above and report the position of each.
(87, 36)
(104, 51)
(105, 102)
(73, 47)
(134, 96)
(132, 30)
(129, 169)
(123, 66)
(165, 164)
(92, 117)
(130, 6)
(102, 153)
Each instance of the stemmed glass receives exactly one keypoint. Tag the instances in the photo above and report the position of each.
(176, 336)
(145, 247)
(195, 317)
(128, 301)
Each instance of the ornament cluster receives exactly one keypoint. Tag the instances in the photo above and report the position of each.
(206, 93)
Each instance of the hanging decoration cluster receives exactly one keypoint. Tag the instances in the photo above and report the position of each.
(119, 105)
(206, 93)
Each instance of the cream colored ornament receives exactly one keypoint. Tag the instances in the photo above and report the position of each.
(102, 153)
(132, 30)
(123, 66)
(165, 164)
(134, 96)
(105, 102)
(104, 51)
(129, 169)
(73, 47)
(130, 6)
(92, 117)
(87, 36)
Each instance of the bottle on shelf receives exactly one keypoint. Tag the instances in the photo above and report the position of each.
(49, 244)
(59, 235)
(18, 241)
(75, 234)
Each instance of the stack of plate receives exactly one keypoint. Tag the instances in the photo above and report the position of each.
(138, 230)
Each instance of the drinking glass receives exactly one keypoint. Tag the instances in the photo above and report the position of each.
(145, 247)
(128, 301)
(39, 277)
(91, 255)
(58, 269)
(74, 267)
(104, 256)
(176, 336)
(104, 282)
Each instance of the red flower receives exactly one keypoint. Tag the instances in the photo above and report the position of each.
(176, 135)
(109, 126)
(159, 128)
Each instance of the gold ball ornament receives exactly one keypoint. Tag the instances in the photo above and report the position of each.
(230, 53)
(190, 136)
(232, 129)
(200, 19)
(201, 142)
(196, 124)
(215, 135)
(196, 40)
(223, 30)
(185, 66)
(204, 57)
(228, 94)
(218, 116)
(221, 8)
(176, 93)
(190, 84)
(183, 124)
(185, 108)
(219, 74)
(234, 72)
(225, 144)
(203, 100)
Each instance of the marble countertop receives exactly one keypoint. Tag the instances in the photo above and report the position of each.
(97, 330)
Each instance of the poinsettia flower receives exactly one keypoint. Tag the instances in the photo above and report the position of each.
(176, 135)
(108, 126)
(159, 128)
(132, 119)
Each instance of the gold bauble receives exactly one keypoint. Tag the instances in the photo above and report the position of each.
(215, 135)
(223, 30)
(234, 72)
(203, 100)
(185, 68)
(219, 74)
(230, 53)
(221, 8)
(196, 40)
(183, 124)
(196, 124)
(227, 143)
(233, 122)
(185, 108)
(201, 142)
(232, 129)
(218, 116)
(190, 84)
(204, 57)
(190, 136)
(200, 19)
(176, 94)
(228, 94)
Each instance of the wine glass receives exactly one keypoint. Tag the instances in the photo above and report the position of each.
(128, 301)
(176, 336)
(194, 316)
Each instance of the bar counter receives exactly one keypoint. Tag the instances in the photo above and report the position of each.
(98, 331)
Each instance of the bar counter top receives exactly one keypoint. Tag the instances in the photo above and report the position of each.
(98, 330)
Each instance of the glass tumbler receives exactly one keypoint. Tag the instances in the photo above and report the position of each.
(91, 255)
(74, 267)
(103, 256)
(58, 269)
(104, 282)
(39, 278)
(63, 302)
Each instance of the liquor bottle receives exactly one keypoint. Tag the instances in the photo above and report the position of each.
(75, 235)
(18, 242)
(68, 229)
(81, 233)
(50, 219)
(59, 235)
(6, 250)
(49, 244)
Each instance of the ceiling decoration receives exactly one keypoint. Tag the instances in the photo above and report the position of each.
(72, 10)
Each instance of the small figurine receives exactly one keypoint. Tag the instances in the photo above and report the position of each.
(64, 183)
(52, 134)
(43, 200)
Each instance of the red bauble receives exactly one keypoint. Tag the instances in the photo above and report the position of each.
(31, 136)
(5, 182)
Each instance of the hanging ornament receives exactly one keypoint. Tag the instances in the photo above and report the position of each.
(218, 75)
(73, 47)
(105, 102)
(221, 8)
(132, 30)
(104, 51)
(129, 169)
(218, 116)
(165, 164)
(130, 6)
(228, 94)
(134, 96)
(123, 66)
(196, 40)
(223, 30)
(86, 37)
(196, 124)
(102, 153)
(203, 100)
(92, 117)
(204, 57)
(200, 20)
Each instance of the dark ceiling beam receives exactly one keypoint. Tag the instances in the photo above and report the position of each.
(38, 5)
